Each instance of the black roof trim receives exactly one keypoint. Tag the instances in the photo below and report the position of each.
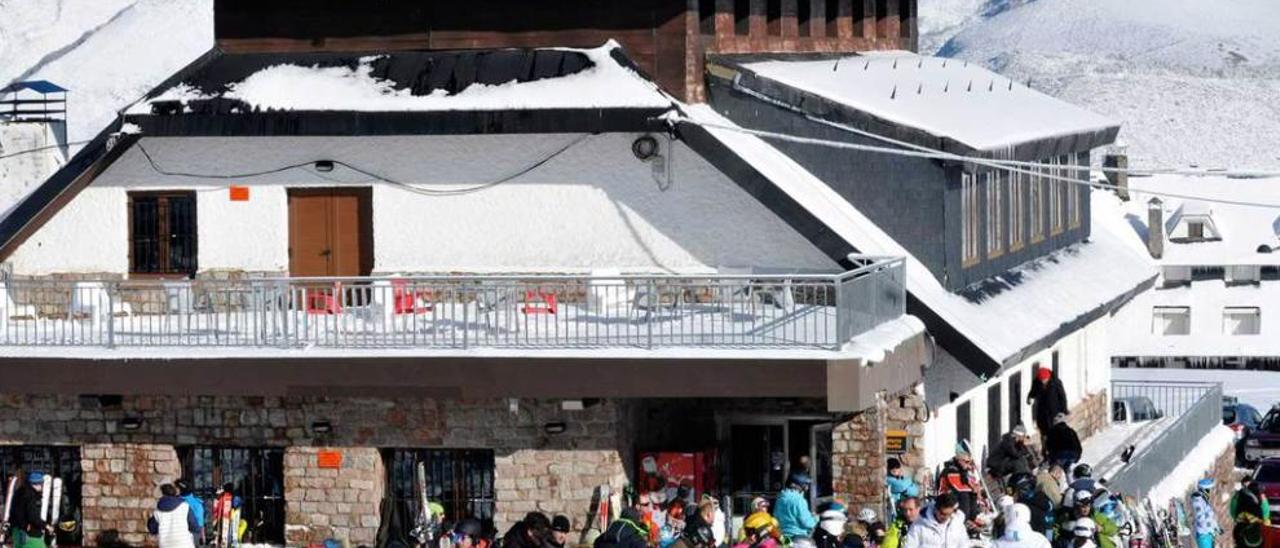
(821, 107)
(450, 122)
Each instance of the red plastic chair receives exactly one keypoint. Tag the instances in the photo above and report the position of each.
(324, 300)
(537, 302)
(405, 300)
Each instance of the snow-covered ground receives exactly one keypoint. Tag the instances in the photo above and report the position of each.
(1193, 82)
(1260, 389)
(107, 52)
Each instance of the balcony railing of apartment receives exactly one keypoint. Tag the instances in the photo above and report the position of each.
(458, 312)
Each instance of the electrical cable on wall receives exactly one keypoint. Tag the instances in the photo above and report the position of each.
(407, 186)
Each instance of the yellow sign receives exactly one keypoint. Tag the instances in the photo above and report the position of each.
(895, 441)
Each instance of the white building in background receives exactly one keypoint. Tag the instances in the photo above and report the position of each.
(1218, 297)
(33, 136)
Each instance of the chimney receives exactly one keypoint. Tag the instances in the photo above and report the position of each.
(1118, 180)
(1155, 227)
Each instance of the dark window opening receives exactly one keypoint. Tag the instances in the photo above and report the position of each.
(162, 233)
(773, 16)
(804, 17)
(57, 461)
(461, 480)
(757, 460)
(256, 475)
(882, 10)
(994, 430)
(832, 17)
(707, 16)
(859, 18)
(964, 431)
(905, 16)
(1015, 399)
(742, 17)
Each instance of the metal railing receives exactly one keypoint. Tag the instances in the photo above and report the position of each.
(1188, 411)
(749, 311)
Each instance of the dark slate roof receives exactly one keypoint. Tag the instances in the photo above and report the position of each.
(421, 72)
(38, 86)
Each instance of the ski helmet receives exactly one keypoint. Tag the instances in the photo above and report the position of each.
(1084, 527)
(1082, 497)
(803, 542)
(1082, 470)
(1205, 485)
(35, 477)
(1023, 483)
(866, 515)
(700, 535)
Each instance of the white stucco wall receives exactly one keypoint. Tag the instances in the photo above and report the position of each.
(1084, 367)
(593, 207)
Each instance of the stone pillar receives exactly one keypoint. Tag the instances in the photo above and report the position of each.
(121, 486)
(859, 453)
(340, 503)
(553, 482)
(1091, 415)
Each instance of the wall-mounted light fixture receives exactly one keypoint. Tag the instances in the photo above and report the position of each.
(553, 428)
(321, 427)
(645, 147)
(324, 166)
(130, 423)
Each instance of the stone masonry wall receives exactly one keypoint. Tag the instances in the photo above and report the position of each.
(329, 503)
(1091, 415)
(534, 469)
(859, 453)
(121, 482)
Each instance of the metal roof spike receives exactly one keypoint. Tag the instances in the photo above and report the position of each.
(1010, 85)
(920, 88)
(921, 63)
(894, 94)
(992, 85)
(970, 88)
(946, 86)
(895, 64)
(944, 63)
(867, 66)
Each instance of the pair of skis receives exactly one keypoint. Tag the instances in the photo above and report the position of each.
(425, 530)
(51, 503)
(228, 525)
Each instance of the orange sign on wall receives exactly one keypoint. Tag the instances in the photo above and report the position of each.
(239, 193)
(329, 459)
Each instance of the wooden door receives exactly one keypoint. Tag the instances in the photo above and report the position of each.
(330, 232)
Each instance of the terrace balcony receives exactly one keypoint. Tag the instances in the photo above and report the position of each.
(747, 311)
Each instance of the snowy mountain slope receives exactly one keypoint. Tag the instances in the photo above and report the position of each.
(1193, 82)
(107, 52)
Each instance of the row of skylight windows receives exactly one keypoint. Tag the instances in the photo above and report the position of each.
(814, 18)
(1176, 320)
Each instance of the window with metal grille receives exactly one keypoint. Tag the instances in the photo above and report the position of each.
(1015, 399)
(1035, 199)
(905, 16)
(57, 461)
(1017, 209)
(804, 18)
(461, 480)
(882, 16)
(162, 233)
(773, 17)
(256, 475)
(1056, 188)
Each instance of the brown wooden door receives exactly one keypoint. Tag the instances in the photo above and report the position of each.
(330, 232)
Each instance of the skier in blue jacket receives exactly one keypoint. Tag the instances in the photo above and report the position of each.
(792, 510)
(195, 504)
(1205, 522)
(900, 486)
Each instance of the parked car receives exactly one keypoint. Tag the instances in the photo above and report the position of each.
(1242, 418)
(1134, 409)
(1268, 477)
(1263, 442)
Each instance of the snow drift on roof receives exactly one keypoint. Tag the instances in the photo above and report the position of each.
(1003, 316)
(943, 97)
(603, 83)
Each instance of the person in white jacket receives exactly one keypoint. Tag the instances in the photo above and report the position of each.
(941, 525)
(173, 522)
(1018, 532)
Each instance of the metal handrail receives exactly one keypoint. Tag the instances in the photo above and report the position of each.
(1157, 459)
(766, 310)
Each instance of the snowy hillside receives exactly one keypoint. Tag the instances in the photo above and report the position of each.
(1194, 82)
(107, 52)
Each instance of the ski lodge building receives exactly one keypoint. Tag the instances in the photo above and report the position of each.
(544, 252)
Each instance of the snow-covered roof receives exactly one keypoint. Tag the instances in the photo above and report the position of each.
(1242, 228)
(946, 98)
(1206, 301)
(1003, 316)
(512, 79)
